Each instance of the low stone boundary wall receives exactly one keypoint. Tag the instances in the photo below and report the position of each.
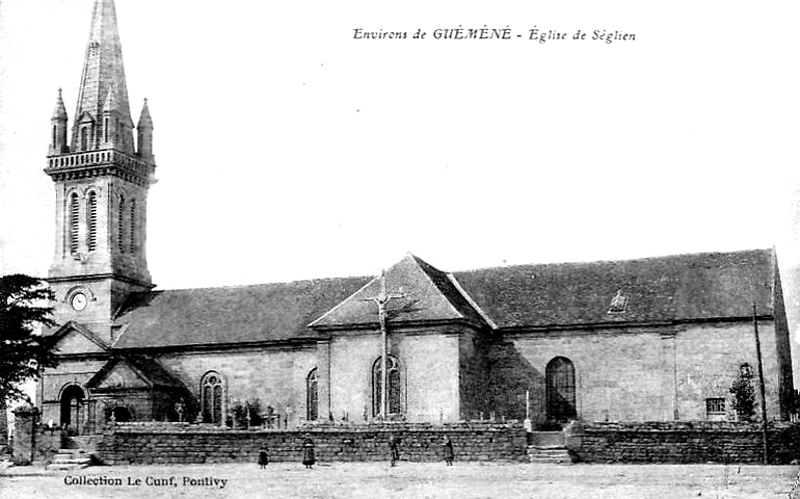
(684, 442)
(146, 443)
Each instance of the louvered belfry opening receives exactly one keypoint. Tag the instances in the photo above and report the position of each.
(133, 226)
(560, 376)
(91, 221)
(74, 208)
(121, 224)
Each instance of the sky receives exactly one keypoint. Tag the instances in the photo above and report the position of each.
(287, 149)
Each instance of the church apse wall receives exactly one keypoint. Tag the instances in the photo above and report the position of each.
(710, 358)
(426, 383)
(275, 377)
(432, 376)
(615, 374)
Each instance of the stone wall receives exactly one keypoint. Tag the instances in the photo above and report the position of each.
(709, 357)
(429, 372)
(145, 443)
(685, 365)
(274, 377)
(684, 442)
(25, 421)
(473, 377)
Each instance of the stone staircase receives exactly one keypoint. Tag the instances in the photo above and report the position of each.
(548, 447)
(70, 459)
(553, 455)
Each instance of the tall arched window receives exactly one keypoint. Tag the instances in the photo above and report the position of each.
(312, 395)
(121, 224)
(395, 387)
(91, 221)
(133, 225)
(74, 208)
(560, 378)
(212, 397)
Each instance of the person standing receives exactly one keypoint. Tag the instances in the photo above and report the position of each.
(263, 456)
(447, 445)
(394, 450)
(308, 451)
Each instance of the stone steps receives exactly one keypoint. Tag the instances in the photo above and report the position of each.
(549, 454)
(70, 459)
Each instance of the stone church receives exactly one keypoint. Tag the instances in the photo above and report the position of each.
(650, 339)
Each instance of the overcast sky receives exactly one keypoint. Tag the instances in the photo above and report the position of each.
(287, 149)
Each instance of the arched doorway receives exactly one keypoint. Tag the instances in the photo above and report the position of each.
(121, 414)
(560, 376)
(73, 404)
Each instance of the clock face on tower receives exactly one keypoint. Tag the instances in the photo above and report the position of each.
(79, 301)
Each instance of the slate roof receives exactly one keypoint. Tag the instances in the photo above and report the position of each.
(241, 314)
(706, 286)
(149, 369)
(428, 295)
(671, 288)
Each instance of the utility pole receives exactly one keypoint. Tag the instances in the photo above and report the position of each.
(381, 301)
(761, 388)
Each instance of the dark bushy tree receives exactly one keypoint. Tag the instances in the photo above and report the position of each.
(24, 306)
(744, 399)
(239, 413)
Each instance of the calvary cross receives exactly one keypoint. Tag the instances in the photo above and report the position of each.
(381, 301)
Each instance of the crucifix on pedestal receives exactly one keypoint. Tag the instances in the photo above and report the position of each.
(381, 301)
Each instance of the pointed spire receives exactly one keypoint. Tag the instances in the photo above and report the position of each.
(58, 141)
(103, 71)
(144, 138)
(59, 112)
(145, 121)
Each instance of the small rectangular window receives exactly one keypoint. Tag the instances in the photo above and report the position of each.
(715, 408)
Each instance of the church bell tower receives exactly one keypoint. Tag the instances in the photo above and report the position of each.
(101, 180)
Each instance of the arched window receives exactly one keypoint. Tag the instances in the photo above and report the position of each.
(312, 395)
(394, 384)
(121, 224)
(133, 225)
(560, 378)
(212, 397)
(91, 221)
(74, 207)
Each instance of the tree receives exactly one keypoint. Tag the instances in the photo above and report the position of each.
(24, 352)
(744, 398)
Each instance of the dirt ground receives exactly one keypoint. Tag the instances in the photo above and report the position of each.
(407, 480)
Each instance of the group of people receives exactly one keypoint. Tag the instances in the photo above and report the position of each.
(308, 453)
(394, 452)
